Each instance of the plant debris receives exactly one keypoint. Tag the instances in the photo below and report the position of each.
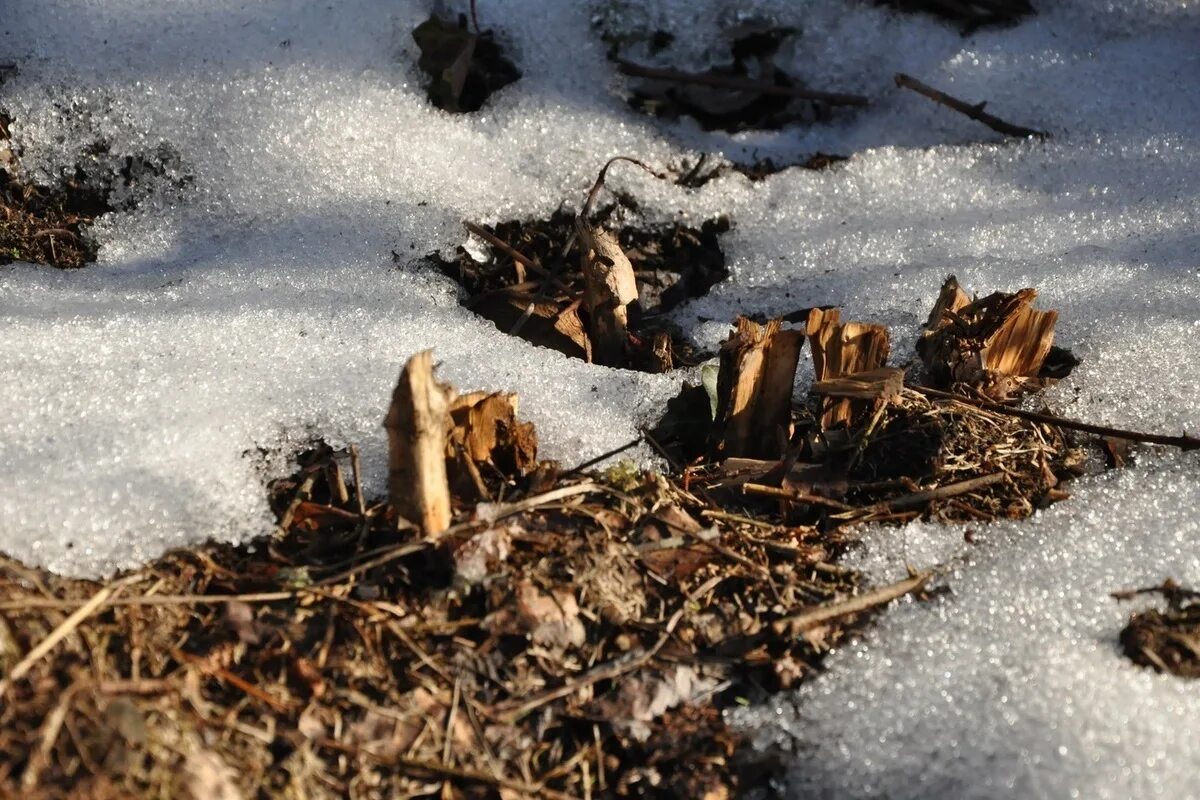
(998, 346)
(552, 282)
(41, 225)
(1166, 640)
(465, 67)
(866, 446)
(576, 639)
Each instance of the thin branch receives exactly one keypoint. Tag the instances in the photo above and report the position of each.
(591, 462)
(795, 496)
(507, 249)
(820, 615)
(739, 84)
(591, 196)
(1183, 442)
(975, 112)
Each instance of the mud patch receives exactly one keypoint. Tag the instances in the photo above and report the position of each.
(465, 65)
(526, 277)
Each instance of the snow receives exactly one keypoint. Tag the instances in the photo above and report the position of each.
(252, 301)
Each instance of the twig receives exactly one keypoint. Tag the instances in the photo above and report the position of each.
(591, 196)
(975, 112)
(522, 788)
(503, 246)
(593, 461)
(1168, 588)
(154, 600)
(915, 499)
(811, 618)
(200, 663)
(738, 84)
(795, 496)
(1183, 442)
(63, 630)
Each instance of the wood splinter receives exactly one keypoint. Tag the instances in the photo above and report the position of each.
(610, 285)
(997, 345)
(844, 349)
(416, 426)
(754, 389)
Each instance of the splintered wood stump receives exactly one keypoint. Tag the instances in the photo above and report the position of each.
(416, 428)
(485, 432)
(754, 389)
(997, 345)
(610, 291)
(843, 349)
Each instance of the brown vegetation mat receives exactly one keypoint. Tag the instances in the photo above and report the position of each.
(1166, 640)
(532, 282)
(576, 641)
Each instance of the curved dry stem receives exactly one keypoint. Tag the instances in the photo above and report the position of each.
(587, 204)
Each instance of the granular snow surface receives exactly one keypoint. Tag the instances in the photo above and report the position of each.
(269, 286)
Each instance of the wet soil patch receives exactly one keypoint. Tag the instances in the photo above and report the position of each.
(748, 91)
(465, 65)
(537, 292)
(704, 170)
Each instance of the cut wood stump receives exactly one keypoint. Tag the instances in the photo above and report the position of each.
(754, 389)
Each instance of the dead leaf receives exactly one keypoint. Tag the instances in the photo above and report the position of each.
(552, 620)
(206, 776)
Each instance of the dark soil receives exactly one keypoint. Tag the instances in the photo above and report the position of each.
(700, 173)
(969, 14)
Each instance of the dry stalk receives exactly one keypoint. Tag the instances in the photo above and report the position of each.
(416, 427)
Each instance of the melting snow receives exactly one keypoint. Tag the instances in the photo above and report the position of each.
(275, 296)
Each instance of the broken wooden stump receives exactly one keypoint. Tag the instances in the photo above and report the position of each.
(997, 345)
(843, 349)
(416, 426)
(439, 440)
(754, 389)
